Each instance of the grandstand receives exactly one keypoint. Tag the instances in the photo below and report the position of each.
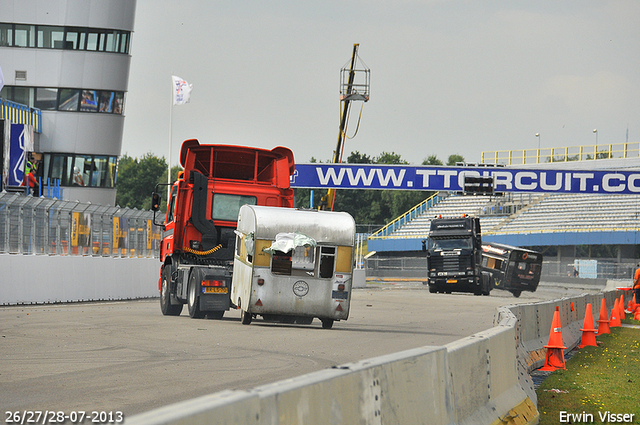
(565, 227)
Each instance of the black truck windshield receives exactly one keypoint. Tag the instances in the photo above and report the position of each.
(446, 244)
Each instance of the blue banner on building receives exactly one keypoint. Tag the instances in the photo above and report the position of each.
(409, 177)
(15, 154)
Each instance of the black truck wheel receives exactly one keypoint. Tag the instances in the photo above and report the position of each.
(194, 294)
(166, 307)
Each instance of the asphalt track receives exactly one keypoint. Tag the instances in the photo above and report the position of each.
(125, 356)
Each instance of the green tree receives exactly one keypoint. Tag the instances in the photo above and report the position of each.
(455, 158)
(137, 179)
(432, 160)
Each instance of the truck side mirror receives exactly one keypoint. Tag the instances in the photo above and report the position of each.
(155, 201)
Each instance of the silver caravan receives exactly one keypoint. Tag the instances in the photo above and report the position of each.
(292, 265)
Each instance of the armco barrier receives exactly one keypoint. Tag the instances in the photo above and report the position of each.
(481, 379)
(37, 279)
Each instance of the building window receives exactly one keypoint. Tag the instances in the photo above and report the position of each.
(80, 170)
(6, 35)
(89, 101)
(68, 100)
(74, 38)
(60, 37)
(73, 100)
(46, 99)
(24, 36)
(50, 37)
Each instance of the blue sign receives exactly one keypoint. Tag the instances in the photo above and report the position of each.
(18, 144)
(410, 177)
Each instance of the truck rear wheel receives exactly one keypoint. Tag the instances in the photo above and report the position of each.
(166, 307)
(194, 293)
(327, 323)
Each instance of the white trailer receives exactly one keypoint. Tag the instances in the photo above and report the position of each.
(293, 265)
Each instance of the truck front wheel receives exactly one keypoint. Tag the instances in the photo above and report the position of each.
(167, 308)
(194, 293)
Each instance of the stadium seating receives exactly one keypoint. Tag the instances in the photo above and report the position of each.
(534, 213)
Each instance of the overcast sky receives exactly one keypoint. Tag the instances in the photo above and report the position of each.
(447, 77)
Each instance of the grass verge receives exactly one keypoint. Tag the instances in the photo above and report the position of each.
(597, 380)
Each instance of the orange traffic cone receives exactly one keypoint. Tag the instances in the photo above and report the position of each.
(588, 331)
(623, 314)
(614, 322)
(631, 306)
(636, 316)
(555, 356)
(603, 321)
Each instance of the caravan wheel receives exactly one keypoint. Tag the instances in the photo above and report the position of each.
(245, 317)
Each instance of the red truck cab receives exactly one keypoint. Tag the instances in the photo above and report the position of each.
(198, 236)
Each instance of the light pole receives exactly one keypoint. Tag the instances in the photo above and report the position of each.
(595, 130)
(538, 136)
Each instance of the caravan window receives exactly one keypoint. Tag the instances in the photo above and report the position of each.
(281, 263)
(303, 258)
(327, 261)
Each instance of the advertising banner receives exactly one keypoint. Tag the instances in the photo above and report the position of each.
(81, 230)
(430, 178)
(15, 153)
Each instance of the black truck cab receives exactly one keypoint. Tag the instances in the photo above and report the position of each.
(454, 256)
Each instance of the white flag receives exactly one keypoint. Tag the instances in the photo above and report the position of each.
(181, 91)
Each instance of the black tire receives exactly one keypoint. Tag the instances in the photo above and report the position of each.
(327, 323)
(245, 317)
(433, 289)
(166, 307)
(193, 297)
(516, 293)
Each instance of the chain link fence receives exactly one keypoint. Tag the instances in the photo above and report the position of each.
(44, 226)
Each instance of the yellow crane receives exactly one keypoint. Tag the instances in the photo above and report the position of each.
(354, 86)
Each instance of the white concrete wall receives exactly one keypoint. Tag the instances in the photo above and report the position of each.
(482, 379)
(33, 279)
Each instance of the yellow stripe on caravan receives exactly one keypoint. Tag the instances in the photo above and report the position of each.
(261, 258)
(343, 259)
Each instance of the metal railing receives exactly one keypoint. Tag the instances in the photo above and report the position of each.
(18, 113)
(408, 216)
(562, 154)
(44, 226)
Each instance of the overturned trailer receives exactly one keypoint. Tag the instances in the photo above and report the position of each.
(512, 269)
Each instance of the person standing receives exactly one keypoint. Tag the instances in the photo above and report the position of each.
(636, 284)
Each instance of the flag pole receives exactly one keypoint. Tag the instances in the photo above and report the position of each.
(170, 142)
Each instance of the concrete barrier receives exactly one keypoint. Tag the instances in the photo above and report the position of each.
(481, 379)
(36, 279)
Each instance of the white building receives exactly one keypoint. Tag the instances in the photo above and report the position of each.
(71, 58)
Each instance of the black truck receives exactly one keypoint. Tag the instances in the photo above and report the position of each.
(454, 257)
